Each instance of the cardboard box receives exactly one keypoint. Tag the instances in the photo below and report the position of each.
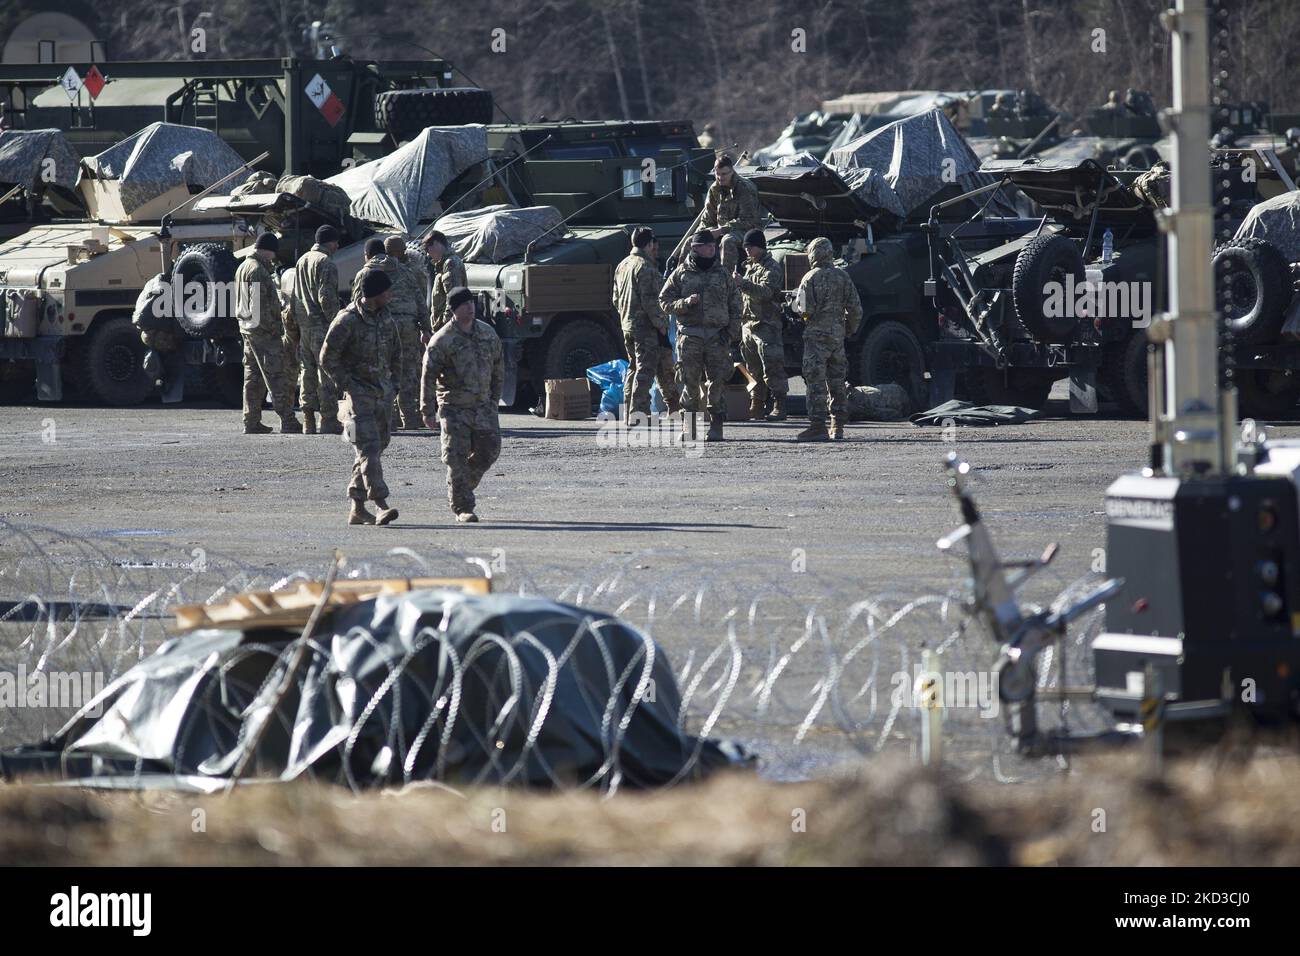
(568, 399)
(737, 403)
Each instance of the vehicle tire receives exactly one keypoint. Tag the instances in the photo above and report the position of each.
(17, 382)
(225, 384)
(206, 263)
(1141, 157)
(1124, 373)
(575, 346)
(891, 352)
(1252, 287)
(1025, 387)
(1267, 393)
(1046, 259)
(111, 363)
(404, 114)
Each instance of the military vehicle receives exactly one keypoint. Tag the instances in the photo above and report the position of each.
(69, 287)
(312, 116)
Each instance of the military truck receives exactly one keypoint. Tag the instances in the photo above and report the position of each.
(312, 116)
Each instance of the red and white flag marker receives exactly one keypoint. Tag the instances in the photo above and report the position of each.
(323, 98)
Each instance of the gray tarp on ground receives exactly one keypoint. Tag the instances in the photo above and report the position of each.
(23, 154)
(402, 188)
(1278, 221)
(958, 412)
(498, 233)
(900, 166)
(160, 157)
(425, 685)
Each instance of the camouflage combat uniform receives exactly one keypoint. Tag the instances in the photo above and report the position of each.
(463, 375)
(645, 332)
(381, 261)
(443, 276)
(829, 301)
(363, 357)
(760, 339)
(409, 310)
(262, 329)
(704, 331)
(316, 295)
(736, 210)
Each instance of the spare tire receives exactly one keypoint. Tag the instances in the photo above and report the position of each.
(1252, 287)
(1045, 260)
(403, 114)
(210, 266)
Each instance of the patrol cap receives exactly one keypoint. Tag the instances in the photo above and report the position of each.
(375, 282)
(267, 241)
(458, 296)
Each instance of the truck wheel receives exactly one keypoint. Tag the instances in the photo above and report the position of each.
(112, 363)
(225, 383)
(206, 264)
(1025, 387)
(1252, 286)
(1046, 259)
(404, 114)
(1141, 157)
(1124, 374)
(891, 352)
(1268, 393)
(17, 382)
(576, 346)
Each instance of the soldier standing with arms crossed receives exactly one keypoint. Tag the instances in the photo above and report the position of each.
(363, 357)
(706, 301)
(464, 368)
(316, 294)
(760, 338)
(731, 208)
(257, 308)
(410, 311)
(829, 302)
(645, 326)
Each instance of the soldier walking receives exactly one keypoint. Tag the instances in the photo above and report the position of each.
(731, 208)
(761, 347)
(645, 326)
(363, 357)
(409, 308)
(464, 369)
(829, 302)
(257, 308)
(706, 301)
(316, 294)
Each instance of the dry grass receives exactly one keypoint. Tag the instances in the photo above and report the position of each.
(1217, 809)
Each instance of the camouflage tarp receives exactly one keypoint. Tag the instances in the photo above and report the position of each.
(401, 190)
(160, 157)
(887, 403)
(1278, 221)
(23, 154)
(900, 166)
(498, 233)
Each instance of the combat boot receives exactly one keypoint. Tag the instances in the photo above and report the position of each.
(689, 427)
(816, 431)
(777, 414)
(466, 517)
(837, 428)
(289, 425)
(715, 427)
(330, 426)
(386, 514)
(257, 428)
(757, 404)
(309, 423)
(359, 514)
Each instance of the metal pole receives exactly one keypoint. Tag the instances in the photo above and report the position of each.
(1194, 444)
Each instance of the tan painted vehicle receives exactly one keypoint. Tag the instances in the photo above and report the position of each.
(69, 288)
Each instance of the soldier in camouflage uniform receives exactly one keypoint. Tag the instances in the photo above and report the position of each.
(446, 272)
(409, 308)
(761, 347)
(706, 301)
(645, 326)
(829, 302)
(257, 307)
(731, 209)
(316, 297)
(376, 258)
(464, 371)
(363, 357)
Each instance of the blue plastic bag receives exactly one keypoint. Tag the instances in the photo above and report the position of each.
(608, 377)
